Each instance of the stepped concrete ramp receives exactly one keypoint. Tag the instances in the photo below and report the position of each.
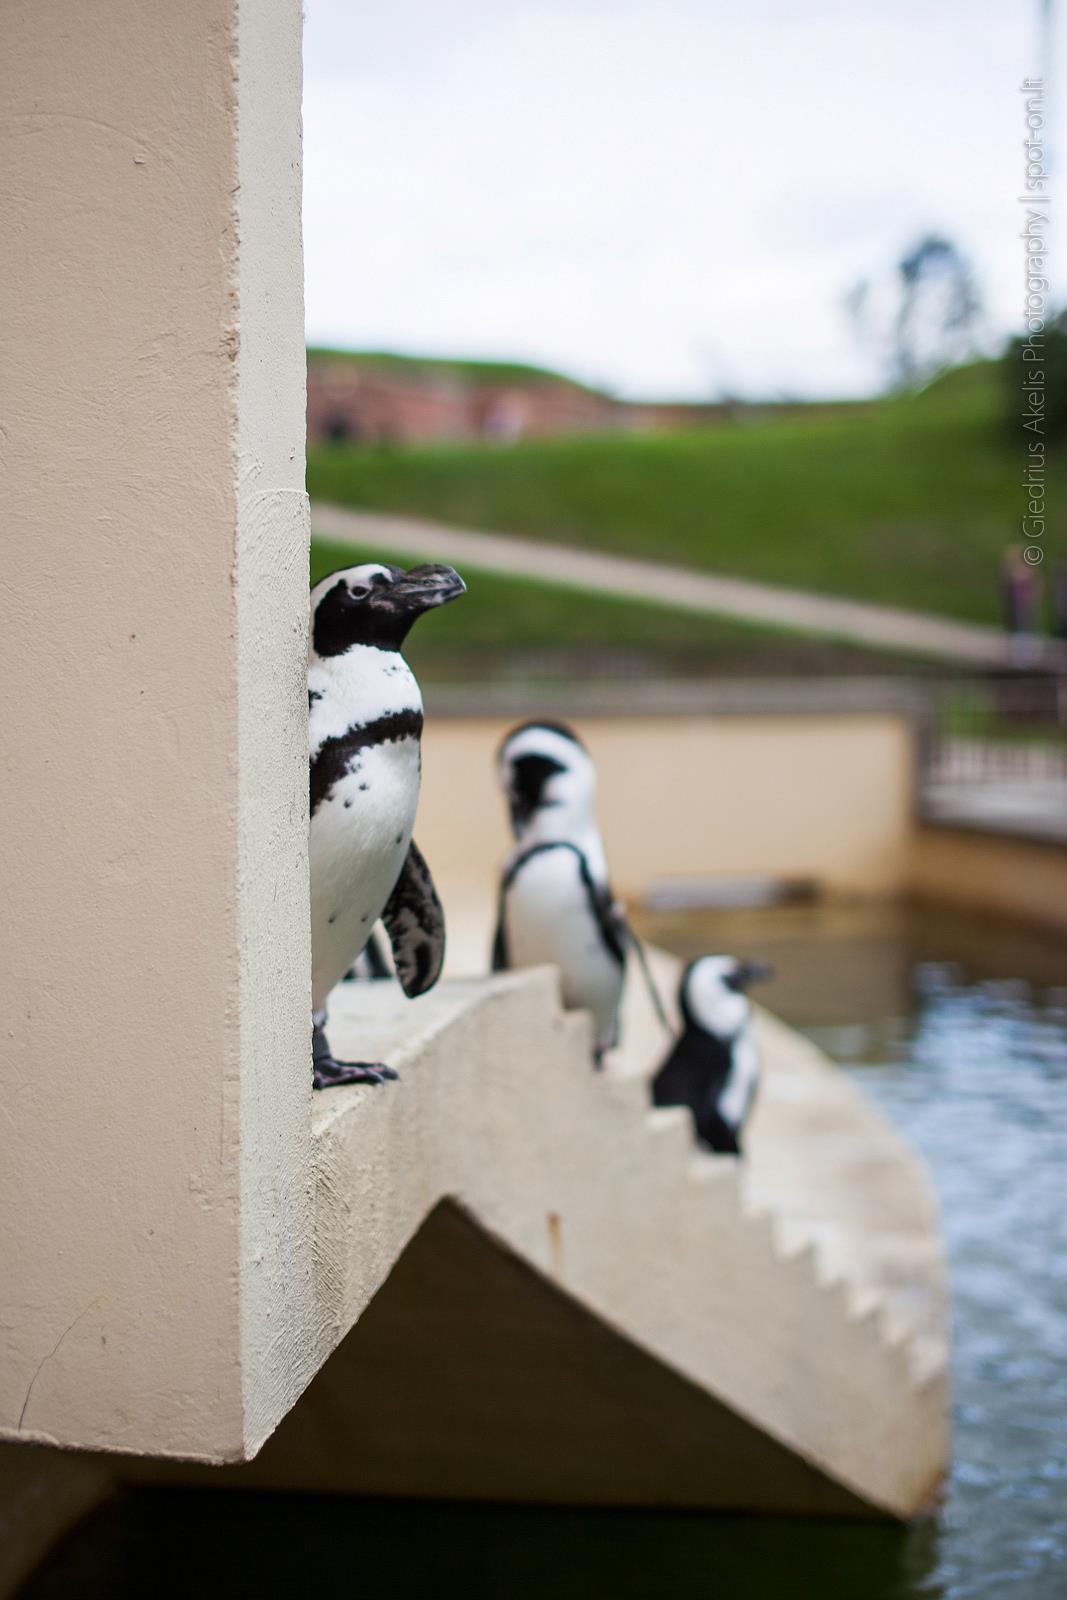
(541, 1291)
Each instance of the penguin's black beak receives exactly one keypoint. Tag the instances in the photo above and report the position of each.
(421, 588)
(749, 972)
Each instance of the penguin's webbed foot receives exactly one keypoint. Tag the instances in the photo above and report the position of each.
(328, 1073)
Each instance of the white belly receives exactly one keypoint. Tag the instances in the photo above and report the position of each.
(359, 839)
(739, 1090)
(548, 921)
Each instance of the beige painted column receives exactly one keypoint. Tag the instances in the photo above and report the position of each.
(155, 1283)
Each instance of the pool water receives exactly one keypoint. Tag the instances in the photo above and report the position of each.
(958, 1028)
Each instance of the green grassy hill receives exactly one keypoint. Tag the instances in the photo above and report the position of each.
(470, 371)
(909, 502)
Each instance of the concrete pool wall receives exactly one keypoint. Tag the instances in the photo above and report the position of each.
(819, 792)
(812, 784)
(991, 872)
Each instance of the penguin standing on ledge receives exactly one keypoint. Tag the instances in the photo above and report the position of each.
(555, 906)
(713, 1068)
(364, 725)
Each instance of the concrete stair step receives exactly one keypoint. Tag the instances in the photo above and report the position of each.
(801, 1286)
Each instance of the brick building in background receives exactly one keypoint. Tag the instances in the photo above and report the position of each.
(387, 399)
(377, 399)
(390, 400)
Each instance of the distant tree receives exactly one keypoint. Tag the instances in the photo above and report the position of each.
(923, 316)
(855, 302)
(939, 310)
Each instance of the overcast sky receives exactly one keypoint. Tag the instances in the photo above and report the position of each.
(668, 197)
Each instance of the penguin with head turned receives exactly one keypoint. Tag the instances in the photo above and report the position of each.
(555, 906)
(713, 1068)
(364, 726)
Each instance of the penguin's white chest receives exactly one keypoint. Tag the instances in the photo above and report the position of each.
(548, 920)
(739, 1090)
(361, 827)
(359, 839)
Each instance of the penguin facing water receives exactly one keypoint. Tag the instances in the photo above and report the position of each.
(555, 904)
(364, 726)
(713, 1068)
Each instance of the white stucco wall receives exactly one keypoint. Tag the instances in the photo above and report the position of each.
(155, 945)
(278, 1351)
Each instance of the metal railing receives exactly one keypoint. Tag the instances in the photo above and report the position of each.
(994, 752)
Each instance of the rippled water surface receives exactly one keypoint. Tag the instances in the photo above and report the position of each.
(958, 1028)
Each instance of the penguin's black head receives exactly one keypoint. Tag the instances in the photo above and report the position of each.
(538, 725)
(545, 768)
(376, 604)
(527, 784)
(711, 995)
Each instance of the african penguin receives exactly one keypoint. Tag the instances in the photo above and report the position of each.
(555, 906)
(713, 1068)
(364, 724)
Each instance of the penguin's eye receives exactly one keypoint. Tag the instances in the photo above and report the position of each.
(358, 591)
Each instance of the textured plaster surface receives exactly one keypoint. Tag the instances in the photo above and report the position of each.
(278, 1347)
(473, 1376)
(619, 1319)
(155, 943)
(806, 1296)
(540, 1291)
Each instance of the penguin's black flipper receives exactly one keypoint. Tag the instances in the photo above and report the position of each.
(499, 959)
(614, 930)
(693, 1075)
(415, 924)
(328, 1073)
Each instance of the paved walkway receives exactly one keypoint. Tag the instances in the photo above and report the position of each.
(876, 627)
